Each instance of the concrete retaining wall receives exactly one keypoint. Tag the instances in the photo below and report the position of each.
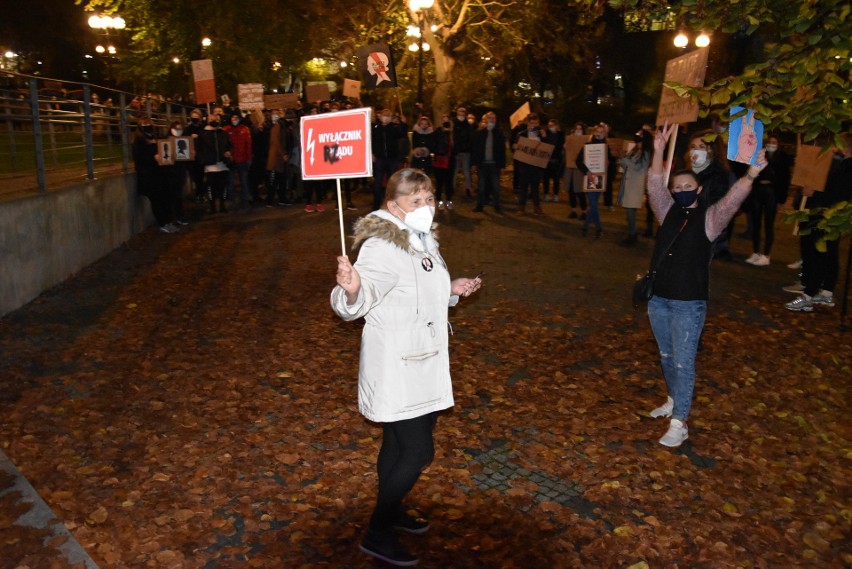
(44, 239)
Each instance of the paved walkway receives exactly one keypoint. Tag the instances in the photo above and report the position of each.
(188, 401)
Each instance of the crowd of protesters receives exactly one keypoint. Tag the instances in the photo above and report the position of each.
(250, 159)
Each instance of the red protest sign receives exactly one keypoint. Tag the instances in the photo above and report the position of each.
(336, 145)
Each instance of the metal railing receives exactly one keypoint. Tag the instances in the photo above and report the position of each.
(57, 132)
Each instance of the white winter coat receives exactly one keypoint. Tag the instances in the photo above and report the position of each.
(405, 292)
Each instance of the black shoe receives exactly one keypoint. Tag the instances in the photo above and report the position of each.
(572, 215)
(584, 232)
(583, 216)
(477, 209)
(498, 209)
(648, 233)
(598, 233)
(629, 240)
(385, 546)
(410, 524)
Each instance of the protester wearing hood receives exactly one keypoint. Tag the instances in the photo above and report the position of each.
(423, 145)
(401, 286)
(681, 259)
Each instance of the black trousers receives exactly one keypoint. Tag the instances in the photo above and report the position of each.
(407, 448)
(763, 210)
(819, 270)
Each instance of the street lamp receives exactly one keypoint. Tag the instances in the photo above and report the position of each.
(682, 40)
(419, 7)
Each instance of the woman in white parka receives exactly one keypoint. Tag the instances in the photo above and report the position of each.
(401, 286)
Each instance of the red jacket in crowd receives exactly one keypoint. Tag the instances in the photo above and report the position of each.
(240, 137)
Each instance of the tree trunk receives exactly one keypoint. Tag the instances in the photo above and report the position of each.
(444, 65)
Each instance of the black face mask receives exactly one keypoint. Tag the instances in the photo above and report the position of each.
(214, 124)
(196, 121)
(446, 125)
(148, 131)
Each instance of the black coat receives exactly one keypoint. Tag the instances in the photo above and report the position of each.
(477, 156)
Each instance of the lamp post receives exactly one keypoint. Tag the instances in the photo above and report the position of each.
(418, 7)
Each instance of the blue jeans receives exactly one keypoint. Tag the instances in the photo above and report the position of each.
(677, 326)
(593, 215)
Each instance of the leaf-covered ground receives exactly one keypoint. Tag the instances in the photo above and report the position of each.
(190, 401)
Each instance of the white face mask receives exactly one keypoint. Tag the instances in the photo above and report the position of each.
(771, 147)
(177, 131)
(461, 117)
(420, 220)
(385, 119)
(551, 128)
(699, 158)
(490, 125)
(471, 121)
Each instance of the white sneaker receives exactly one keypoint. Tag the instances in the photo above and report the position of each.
(172, 228)
(754, 257)
(824, 298)
(795, 265)
(802, 304)
(797, 287)
(677, 433)
(556, 198)
(761, 261)
(664, 410)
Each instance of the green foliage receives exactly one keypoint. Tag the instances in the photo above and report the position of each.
(833, 222)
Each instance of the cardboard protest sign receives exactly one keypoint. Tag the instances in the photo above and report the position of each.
(595, 159)
(336, 145)
(573, 146)
(205, 85)
(250, 96)
(376, 65)
(688, 69)
(519, 115)
(533, 152)
(745, 137)
(282, 101)
(811, 167)
(352, 88)
(317, 92)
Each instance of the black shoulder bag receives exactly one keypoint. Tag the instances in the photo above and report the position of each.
(643, 288)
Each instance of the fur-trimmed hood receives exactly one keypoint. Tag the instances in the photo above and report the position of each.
(383, 225)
